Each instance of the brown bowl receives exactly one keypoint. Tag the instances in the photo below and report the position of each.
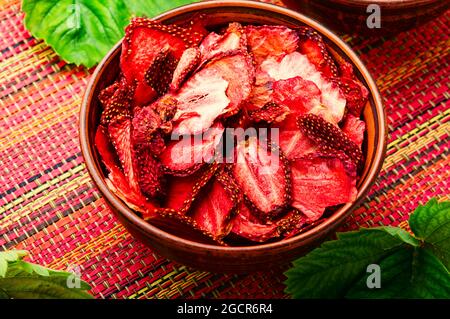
(350, 15)
(246, 258)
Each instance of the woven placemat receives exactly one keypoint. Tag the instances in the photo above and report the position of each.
(49, 205)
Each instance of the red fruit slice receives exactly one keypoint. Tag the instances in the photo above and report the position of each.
(159, 75)
(185, 156)
(273, 41)
(261, 93)
(196, 28)
(312, 45)
(329, 136)
(144, 40)
(120, 136)
(354, 128)
(213, 211)
(188, 62)
(183, 226)
(117, 106)
(217, 90)
(149, 171)
(246, 227)
(355, 93)
(294, 143)
(106, 94)
(116, 180)
(299, 95)
(270, 113)
(182, 190)
(296, 64)
(320, 181)
(150, 122)
(238, 70)
(216, 46)
(293, 224)
(263, 176)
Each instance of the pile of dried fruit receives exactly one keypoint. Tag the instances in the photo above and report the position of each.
(180, 84)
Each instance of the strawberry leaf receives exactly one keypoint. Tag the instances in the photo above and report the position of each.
(407, 273)
(83, 31)
(21, 279)
(431, 223)
(409, 266)
(331, 270)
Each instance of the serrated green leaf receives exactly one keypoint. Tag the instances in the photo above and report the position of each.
(32, 268)
(83, 31)
(407, 273)
(12, 255)
(22, 279)
(9, 256)
(40, 287)
(331, 270)
(431, 223)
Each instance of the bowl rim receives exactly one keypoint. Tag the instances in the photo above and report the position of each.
(330, 223)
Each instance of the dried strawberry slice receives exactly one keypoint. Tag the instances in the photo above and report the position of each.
(296, 64)
(216, 46)
(261, 93)
(213, 211)
(215, 91)
(149, 125)
(144, 40)
(270, 113)
(201, 100)
(329, 136)
(116, 179)
(263, 176)
(355, 93)
(320, 181)
(183, 226)
(188, 62)
(238, 71)
(354, 128)
(299, 95)
(293, 143)
(312, 45)
(149, 171)
(246, 227)
(182, 190)
(107, 93)
(196, 28)
(185, 156)
(117, 106)
(120, 136)
(159, 74)
(273, 41)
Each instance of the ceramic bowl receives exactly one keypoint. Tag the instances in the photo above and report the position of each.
(245, 258)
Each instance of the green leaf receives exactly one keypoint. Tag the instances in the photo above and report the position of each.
(3, 267)
(431, 223)
(331, 270)
(9, 256)
(22, 279)
(83, 31)
(407, 273)
(41, 287)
